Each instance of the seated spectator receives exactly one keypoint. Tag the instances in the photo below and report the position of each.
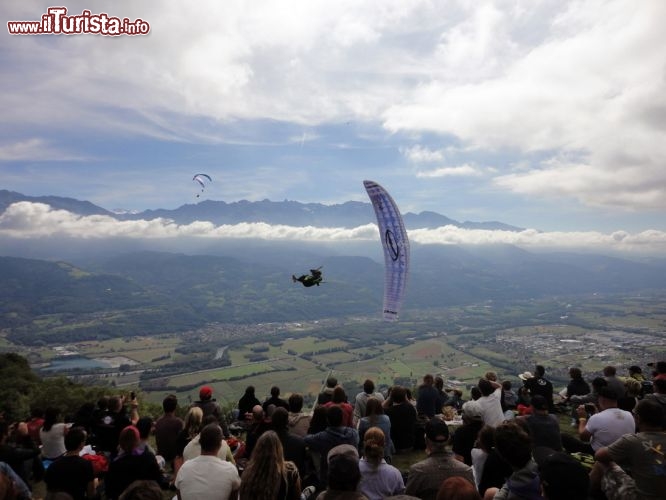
(167, 429)
(563, 478)
(641, 453)
(268, 476)
(513, 445)
(378, 479)
(35, 424)
(293, 446)
(442, 397)
(465, 436)
(52, 435)
(71, 473)
(614, 383)
(299, 422)
(335, 434)
(15, 456)
(457, 488)
(539, 384)
(427, 397)
(260, 424)
(142, 490)
(246, 403)
(490, 470)
(193, 447)
(362, 398)
(344, 475)
(130, 465)
(510, 396)
(375, 418)
(340, 399)
(659, 395)
(275, 400)
(425, 477)
(108, 425)
(403, 420)
(206, 476)
(490, 402)
(602, 428)
(191, 429)
(544, 427)
(327, 394)
(11, 485)
(210, 406)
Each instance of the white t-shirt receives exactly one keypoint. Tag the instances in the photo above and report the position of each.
(491, 408)
(53, 441)
(207, 477)
(193, 449)
(608, 426)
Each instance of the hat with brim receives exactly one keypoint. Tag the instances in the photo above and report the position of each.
(525, 375)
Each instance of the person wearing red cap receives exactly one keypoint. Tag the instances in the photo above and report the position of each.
(210, 406)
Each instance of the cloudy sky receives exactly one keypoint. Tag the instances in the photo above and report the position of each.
(547, 115)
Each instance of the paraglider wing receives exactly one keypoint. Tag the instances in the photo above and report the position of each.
(200, 178)
(396, 248)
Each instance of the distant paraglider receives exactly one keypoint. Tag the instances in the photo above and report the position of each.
(396, 248)
(308, 280)
(201, 180)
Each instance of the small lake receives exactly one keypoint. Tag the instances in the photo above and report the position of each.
(74, 362)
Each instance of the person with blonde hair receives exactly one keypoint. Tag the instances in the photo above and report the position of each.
(378, 479)
(191, 429)
(267, 475)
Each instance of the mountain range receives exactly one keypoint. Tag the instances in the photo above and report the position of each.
(74, 289)
(293, 213)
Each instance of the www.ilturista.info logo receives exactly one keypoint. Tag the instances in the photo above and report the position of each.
(57, 22)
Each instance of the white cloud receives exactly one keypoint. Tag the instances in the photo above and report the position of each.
(422, 154)
(25, 220)
(460, 171)
(35, 149)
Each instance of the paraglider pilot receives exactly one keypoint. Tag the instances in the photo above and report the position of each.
(308, 280)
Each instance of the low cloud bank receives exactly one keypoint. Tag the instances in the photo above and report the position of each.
(26, 220)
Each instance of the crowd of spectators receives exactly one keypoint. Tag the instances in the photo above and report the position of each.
(602, 440)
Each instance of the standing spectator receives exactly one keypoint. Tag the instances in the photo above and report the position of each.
(362, 398)
(425, 477)
(375, 417)
(167, 429)
(207, 476)
(275, 400)
(340, 399)
(403, 420)
(268, 472)
(378, 479)
(16, 456)
(299, 422)
(71, 473)
(641, 453)
(659, 395)
(659, 372)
